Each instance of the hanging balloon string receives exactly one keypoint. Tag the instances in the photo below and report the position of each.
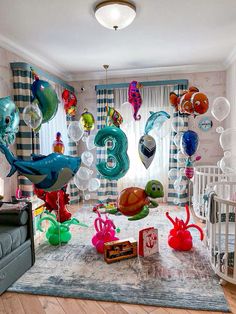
(58, 215)
(106, 66)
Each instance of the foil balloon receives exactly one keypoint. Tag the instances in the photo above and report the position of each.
(189, 167)
(147, 149)
(200, 103)
(49, 173)
(58, 145)
(117, 152)
(9, 121)
(70, 101)
(46, 98)
(113, 117)
(156, 120)
(87, 121)
(135, 98)
(220, 108)
(189, 143)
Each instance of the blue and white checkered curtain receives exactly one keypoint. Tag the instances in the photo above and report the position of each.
(174, 197)
(108, 189)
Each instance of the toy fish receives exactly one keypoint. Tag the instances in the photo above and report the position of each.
(156, 119)
(135, 98)
(49, 173)
(9, 121)
(113, 117)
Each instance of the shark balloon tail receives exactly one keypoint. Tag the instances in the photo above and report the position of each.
(10, 158)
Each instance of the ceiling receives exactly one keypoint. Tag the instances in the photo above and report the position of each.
(166, 35)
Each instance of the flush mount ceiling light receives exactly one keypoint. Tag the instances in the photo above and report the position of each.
(115, 14)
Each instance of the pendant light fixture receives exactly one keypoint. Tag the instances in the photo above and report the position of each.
(115, 14)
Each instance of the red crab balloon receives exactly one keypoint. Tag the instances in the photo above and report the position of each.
(180, 239)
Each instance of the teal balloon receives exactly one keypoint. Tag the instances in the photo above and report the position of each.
(9, 121)
(117, 163)
(156, 120)
(46, 98)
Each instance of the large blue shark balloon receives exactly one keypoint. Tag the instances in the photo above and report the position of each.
(9, 121)
(46, 98)
(49, 173)
(156, 120)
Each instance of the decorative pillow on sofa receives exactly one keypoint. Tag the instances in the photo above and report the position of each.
(13, 215)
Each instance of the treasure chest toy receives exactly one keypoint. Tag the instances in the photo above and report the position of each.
(121, 249)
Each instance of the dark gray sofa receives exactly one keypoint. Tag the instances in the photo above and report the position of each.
(17, 253)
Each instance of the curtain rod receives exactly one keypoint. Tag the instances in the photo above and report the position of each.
(148, 83)
(27, 67)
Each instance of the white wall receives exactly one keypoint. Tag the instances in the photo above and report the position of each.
(211, 83)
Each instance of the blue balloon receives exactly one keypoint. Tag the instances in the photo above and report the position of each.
(9, 121)
(189, 143)
(49, 173)
(117, 152)
(156, 119)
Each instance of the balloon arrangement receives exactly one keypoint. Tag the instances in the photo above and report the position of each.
(9, 121)
(180, 238)
(190, 102)
(44, 104)
(135, 202)
(70, 102)
(105, 232)
(135, 98)
(58, 233)
(58, 145)
(147, 144)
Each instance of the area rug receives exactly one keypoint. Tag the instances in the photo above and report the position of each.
(167, 279)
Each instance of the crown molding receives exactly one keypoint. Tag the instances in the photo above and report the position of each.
(230, 59)
(84, 76)
(31, 57)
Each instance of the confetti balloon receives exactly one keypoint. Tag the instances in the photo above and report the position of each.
(147, 149)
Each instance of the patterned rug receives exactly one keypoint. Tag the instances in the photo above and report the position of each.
(167, 279)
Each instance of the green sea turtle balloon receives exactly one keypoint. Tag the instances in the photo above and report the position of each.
(135, 202)
(46, 98)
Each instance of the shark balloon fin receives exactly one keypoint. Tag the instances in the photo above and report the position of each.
(10, 158)
(151, 112)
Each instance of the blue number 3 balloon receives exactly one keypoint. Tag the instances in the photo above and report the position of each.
(117, 153)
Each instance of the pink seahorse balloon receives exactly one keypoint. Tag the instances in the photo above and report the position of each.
(135, 98)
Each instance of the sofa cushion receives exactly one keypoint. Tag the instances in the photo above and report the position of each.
(13, 217)
(11, 238)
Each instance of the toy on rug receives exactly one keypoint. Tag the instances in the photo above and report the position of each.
(58, 233)
(135, 98)
(105, 232)
(121, 249)
(180, 239)
(148, 242)
(55, 201)
(58, 145)
(101, 207)
(135, 202)
(70, 101)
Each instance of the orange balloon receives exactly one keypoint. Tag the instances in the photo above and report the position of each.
(58, 145)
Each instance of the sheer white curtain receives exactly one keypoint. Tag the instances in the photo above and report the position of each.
(154, 99)
(47, 133)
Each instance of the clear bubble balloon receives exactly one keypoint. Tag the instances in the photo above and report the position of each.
(220, 108)
(219, 129)
(84, 173)
(32, 116)
(4, 166)
(176, 201)
(177, 124)
(181, 158)
(90, 141)
(228, 164)
(74, 131)
(87, 197)
(227, 138)
(81, 184)
(87, 158)
(180, 185)
(177, 139)
(173, 174)
(94, 184)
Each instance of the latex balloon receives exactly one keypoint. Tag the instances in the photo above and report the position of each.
(181, 158)
(177, 138)
(81, 184)
(9, 121)
(228, 164)
(32, 116)
(87, 121)
(58, 145)
(177, 124)
(94, 184)
(117, 152)
(219, 129)
(46, 98)
(189, 143)
(87, 197)
(227, 138)
(147, 149)
(220, 108)
(156, 119)
(173, 174)
(90, 141)
(180, 184)
(84, 173)
(87, 158)
(4, 166)
(74, 131)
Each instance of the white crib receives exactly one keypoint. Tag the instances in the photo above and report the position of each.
(203, 176)
(221, 230)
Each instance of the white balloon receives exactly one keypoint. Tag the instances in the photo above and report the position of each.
(173, 174)
(228, 164)
(180, 184)
(220, 108)
(181, 158)
(87, 197)
(227, 138)
(90, 141)
(74, 131)
(84, 173)
(32, 116)
(87, 158)
(177, 124)
(94, 184)
(177, 138)
(4, 166)
(81, 184)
